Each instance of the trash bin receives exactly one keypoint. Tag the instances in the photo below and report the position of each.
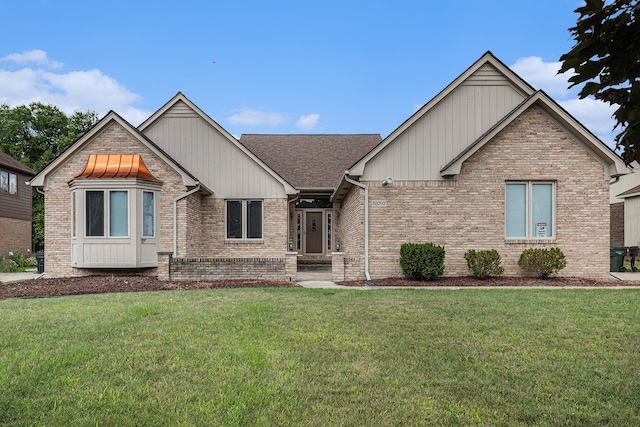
(40, 261)
(617, 258)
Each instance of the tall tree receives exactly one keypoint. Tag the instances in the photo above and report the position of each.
(35, 135)
(606, 58)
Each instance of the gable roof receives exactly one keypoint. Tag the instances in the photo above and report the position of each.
(11, 163)
(616, 166)
(180, 97)
(310, 161)
(518, 83)
(187, 178)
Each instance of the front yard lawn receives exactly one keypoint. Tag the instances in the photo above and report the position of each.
(308, 357)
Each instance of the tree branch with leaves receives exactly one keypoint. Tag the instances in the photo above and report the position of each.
(606, 59)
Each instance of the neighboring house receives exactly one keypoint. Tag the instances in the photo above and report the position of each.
(625, 209)
(489, 163)
(15, 207)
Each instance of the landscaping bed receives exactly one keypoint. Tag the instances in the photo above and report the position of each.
(105, 284)
(470, 281)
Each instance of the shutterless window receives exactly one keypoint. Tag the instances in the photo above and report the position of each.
(148, 214)
(244, 219)
(529, 210)
(13, 183)
(94, 205)
(117, 213)
(4, 181)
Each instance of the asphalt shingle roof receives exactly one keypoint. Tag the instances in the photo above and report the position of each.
(11, 163)
(310, 161)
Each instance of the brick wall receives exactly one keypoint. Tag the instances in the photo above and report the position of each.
(468, 213)
(15, 236)
(616, 228)
(201, 221)
(112, 140)
(228, 268)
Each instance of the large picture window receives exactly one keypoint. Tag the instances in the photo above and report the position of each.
(530, 210)
(117, 213)
(244, 219)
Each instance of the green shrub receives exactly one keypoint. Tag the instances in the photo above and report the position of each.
(422, 261)
(8, 265)
(484, 263)
(23, 261)
(543, 262)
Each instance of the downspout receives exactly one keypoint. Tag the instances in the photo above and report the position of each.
(366, 224)
(175, 216)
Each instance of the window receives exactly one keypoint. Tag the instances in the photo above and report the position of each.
(148, 214)
(530, 210)
(244, 219)
(95, 213)
(329, 217)
(8, 182)
(13, 183)
(298, 231)
(118, 213)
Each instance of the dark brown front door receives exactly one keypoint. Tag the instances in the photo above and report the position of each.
(313, 235)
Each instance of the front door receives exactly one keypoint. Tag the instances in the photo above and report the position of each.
(313, 232)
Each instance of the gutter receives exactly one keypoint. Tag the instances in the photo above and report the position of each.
(366, 222)
(175, 216)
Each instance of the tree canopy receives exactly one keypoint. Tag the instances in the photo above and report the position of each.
(35, 135)
(606, 59)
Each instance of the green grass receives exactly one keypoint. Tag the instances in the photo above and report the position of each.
(305, 357)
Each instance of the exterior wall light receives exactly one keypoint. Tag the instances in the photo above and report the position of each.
(387, 181)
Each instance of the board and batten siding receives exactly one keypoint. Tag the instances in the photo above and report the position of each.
(211, 157)
(447, 128)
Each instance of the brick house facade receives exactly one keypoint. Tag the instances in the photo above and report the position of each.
(489, 163)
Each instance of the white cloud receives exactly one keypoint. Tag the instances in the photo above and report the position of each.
(35, 56)
(543, 75)
(308, 122)
(594, 114)
(251, 117)
(71, 91)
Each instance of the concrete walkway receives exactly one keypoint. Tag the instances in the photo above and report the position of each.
(320, 279)
(18, 277)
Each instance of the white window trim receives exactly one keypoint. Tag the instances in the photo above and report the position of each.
(74, 214)
(244, 221)
(145, 236)
(529, 214)
(107, 213)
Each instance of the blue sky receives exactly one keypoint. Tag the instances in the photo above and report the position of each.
(278, 66)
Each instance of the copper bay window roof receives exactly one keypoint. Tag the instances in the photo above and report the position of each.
(116, 166)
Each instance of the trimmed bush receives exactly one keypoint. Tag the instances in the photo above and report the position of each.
(422, 261)
(484, 263)
(542, 262)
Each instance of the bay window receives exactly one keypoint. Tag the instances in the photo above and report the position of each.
(530, 210)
